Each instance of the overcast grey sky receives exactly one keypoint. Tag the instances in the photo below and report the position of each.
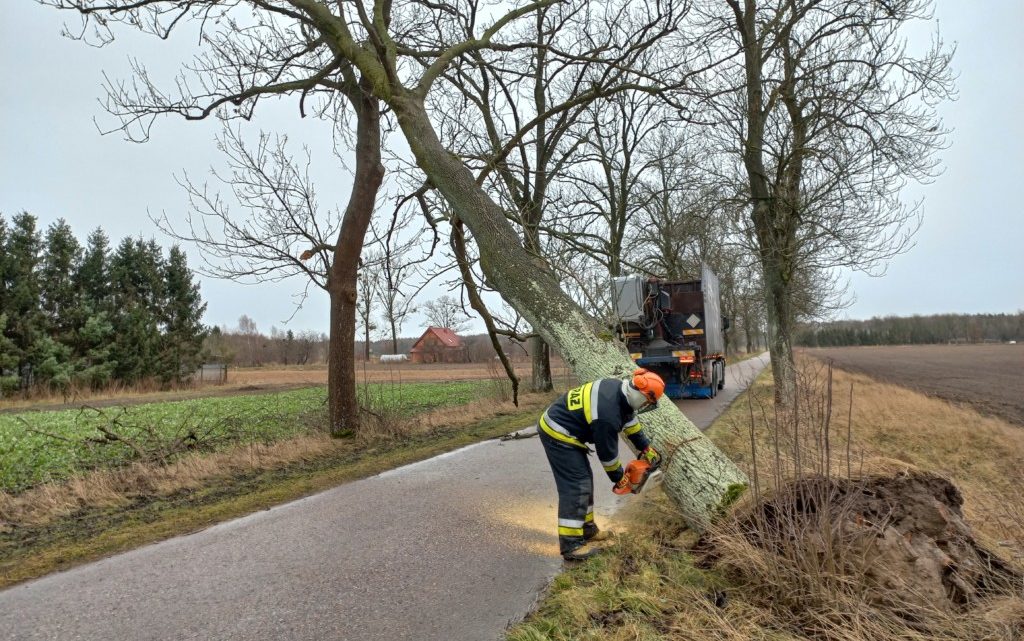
(968, 255)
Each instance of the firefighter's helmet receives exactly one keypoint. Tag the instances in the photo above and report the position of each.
(649, 384)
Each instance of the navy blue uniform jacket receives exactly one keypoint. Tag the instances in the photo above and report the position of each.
(595, 413)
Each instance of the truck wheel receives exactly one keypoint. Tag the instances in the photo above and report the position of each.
(721, 378)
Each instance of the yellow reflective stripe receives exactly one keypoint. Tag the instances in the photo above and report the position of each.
(586, 402)
(611, 467)
(632, 429)
(589, 518)
(558, 436)
(570, 531)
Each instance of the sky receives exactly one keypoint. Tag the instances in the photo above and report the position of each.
(55, 163)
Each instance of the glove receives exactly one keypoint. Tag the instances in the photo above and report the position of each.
(631, 477)
(623, 486)
(650, 455)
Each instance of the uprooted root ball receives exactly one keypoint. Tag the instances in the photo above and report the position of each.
(884, 556)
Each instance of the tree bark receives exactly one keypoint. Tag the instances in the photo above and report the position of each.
(781, 325)
(770, 224)
(343, 406)
(540, 360)
(540, 354)
(699, 477)
(458, 242)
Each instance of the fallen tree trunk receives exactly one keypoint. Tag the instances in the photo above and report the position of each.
(698, 476)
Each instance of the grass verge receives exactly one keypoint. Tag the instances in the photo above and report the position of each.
(32, 550)
(659, 582)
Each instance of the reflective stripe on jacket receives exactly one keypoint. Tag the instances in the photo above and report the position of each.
(595, 413)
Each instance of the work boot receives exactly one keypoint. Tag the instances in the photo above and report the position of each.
(585, 551)
(597, 535)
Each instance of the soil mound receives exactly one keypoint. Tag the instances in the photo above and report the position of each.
(893, 548)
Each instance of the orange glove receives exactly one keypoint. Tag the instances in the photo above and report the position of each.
(632, 477)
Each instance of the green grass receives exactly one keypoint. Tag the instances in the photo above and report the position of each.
(29, 457)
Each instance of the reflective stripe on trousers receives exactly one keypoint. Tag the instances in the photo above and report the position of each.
(575, 483)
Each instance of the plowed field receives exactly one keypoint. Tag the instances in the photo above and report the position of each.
(988, 377)
(379, 373)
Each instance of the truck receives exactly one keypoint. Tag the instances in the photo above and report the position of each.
(675, 329)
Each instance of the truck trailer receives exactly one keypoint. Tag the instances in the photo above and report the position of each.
(675, 329)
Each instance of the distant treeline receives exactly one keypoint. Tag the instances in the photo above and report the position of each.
(915, 330)
(92, 316)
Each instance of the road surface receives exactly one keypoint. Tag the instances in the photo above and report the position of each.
(452, 548)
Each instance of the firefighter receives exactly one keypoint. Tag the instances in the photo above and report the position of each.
(594, 413)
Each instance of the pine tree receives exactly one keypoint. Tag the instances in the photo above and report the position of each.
(24, 317)
(9, 379)
(183, 308)
(54, 366)
(93, 277)
(135, 287)
(95, 364)
(3, 265)
(93, 349)
(59, 296)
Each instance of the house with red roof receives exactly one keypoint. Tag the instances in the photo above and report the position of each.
(438, 345)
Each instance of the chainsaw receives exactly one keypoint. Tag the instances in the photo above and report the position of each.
(636, 475)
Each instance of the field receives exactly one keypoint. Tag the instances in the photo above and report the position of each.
(44, 446)
(251, 380)
(375, 372)
(989, 378)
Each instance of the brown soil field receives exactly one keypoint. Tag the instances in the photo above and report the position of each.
(250, 380)
(989, 378)
(378, 372)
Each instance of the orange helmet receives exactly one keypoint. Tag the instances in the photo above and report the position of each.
(649, 384)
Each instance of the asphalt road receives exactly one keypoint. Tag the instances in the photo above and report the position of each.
(452, 548)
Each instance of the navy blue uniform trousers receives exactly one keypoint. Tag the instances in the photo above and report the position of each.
(575, 482)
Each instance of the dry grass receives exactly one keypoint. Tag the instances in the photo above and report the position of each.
(888, 429)
(810, 577)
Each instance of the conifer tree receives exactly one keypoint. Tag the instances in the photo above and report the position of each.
(60, 299)
(94, 363)
(9, 379)
(93, 277)
(24, 316)
(182, 311)
(3, 265)
(135, 294)
(93, 350)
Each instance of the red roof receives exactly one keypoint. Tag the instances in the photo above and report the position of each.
(447, 337)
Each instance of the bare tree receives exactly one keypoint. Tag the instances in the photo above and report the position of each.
(446, 312)
(365, 307)
(829, 113)
(247, 328)
(298, 45)
(605, 190)
(282, 232)
(397, 245)
(522, 175)
(684, 217)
